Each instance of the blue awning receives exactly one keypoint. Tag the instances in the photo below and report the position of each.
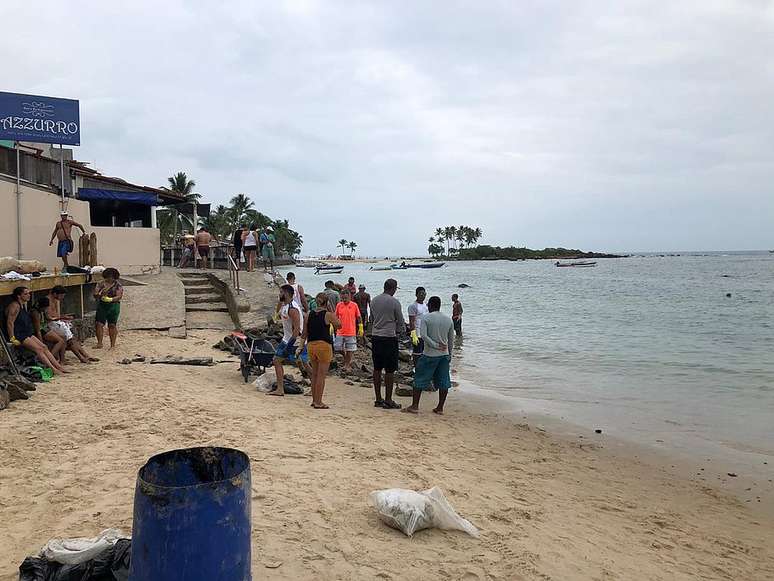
(145, 198)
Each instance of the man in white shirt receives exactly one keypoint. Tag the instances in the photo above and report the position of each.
(416, 311)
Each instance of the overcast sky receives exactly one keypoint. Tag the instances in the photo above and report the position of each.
(617, 125)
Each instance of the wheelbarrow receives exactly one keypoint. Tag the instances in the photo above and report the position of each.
(255, 354)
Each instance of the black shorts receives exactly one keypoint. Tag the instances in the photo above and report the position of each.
(458, 326)
(384, 351)
(250, 248)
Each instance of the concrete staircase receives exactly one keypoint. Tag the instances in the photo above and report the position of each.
(204, 305)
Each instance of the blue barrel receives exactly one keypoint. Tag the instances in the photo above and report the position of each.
(192, 517)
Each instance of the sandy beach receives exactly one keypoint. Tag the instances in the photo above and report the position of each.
(547, 507)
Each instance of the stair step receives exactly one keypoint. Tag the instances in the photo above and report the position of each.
(200, 290)
(193, 282)
(204, 299)
(207, 308)
(209, 320)
(192, 275)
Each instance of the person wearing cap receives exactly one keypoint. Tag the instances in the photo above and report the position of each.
(363, 301)
(63, 231)
(267, 247)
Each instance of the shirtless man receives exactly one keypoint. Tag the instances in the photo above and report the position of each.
(63, 232)
(203, 238)
(60, 324)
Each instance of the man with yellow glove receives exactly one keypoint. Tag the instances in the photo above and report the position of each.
(348, 313)
(416, 311)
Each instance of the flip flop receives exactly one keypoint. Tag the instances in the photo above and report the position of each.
(379, 403)
(437, 411)
(391, 405)
(409, 411)
(320, 407)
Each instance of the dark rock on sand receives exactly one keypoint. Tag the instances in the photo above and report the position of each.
(597, 431)
(5, 397)
(15, 392)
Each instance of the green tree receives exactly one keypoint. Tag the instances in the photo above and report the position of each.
(343, 245)
(180, 184)
(352, 246)
(239, 205)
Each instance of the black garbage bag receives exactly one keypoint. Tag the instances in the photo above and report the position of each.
(112, 564)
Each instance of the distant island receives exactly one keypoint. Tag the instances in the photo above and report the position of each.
(460, 243)
(486, 252)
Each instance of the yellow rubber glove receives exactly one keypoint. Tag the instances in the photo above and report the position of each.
(15, 342)
(360, 331)
(414, 338)
(106, 299)
(330, 329)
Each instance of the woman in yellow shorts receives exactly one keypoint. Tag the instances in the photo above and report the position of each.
(319, 343)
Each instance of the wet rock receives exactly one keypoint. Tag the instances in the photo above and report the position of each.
(463, 285)
(597, 431)
(732, 474)
(21, 382)
(15, 392)
(125, 361)
(728, 294)
(5, 397)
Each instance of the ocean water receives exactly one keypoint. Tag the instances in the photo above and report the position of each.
(648, 348)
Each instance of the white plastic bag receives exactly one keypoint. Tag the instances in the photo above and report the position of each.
(265, 381)
(79, 550)
(410, 511)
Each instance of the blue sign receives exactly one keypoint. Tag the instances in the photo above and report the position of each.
(39, 119)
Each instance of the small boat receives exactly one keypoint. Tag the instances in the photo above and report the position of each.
(426, 265)
(301, 263)
(380, 268)
(581, 264)
(401, 266)
(328, 269)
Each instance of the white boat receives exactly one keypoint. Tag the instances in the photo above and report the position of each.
(380, 268)
(581, 264)
(329, 269)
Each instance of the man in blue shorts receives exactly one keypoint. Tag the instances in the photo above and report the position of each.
(433, 366)
(63, 231)
(288, 351)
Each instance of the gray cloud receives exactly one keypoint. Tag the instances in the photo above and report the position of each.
(607, 125)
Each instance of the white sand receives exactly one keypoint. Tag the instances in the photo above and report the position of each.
(547, 508)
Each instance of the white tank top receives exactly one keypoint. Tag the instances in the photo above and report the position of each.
(250, 239)
(297, 302)
(287, 323)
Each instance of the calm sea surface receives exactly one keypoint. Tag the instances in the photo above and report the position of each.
(649, 348)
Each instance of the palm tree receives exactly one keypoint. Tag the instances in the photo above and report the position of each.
(453, 233)
(240, 205)
(352, 246)
(477, 234)
(343, 244)
(219, 222)
(460, 235)
(447, 234)
(439, 234)
(182, 185)
(469, 236)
